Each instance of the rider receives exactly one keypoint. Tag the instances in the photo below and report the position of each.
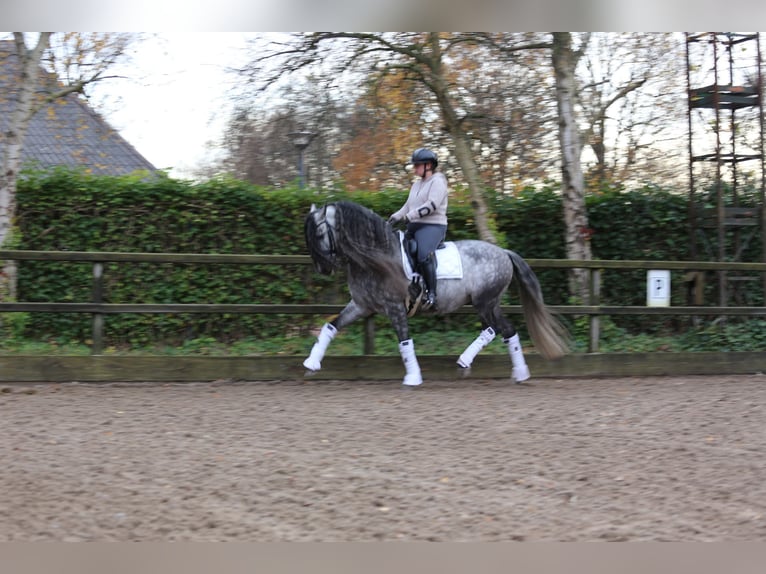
(425, 212)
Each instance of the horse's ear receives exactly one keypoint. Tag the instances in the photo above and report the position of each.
(313, 208)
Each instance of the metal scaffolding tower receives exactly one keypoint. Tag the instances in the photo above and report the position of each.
(726, 151)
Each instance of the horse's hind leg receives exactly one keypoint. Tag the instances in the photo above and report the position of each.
(490, 321)
(493, 316)
(348, 315)
(484, 339)
(520, 370)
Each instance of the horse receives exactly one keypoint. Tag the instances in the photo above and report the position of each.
(344, 233)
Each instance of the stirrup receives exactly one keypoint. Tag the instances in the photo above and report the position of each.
(429, 300)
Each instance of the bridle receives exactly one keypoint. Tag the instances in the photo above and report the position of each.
(331, 250)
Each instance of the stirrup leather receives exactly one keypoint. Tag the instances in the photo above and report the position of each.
(414, 296)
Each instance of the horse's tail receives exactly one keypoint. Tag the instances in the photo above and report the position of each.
(548, 334)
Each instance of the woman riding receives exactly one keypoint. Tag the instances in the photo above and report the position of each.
(425, 212)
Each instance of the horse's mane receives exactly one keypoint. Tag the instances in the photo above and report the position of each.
(366, 241)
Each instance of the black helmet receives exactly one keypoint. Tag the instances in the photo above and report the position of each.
(423, 155)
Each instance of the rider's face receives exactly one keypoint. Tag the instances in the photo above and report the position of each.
(420, 169)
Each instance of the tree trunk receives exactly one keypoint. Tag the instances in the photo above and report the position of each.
(461, 140)
(599, 150)
(13, 141)
(471, 173)
(572, 181)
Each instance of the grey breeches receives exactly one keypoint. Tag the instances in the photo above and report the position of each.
(428, 237)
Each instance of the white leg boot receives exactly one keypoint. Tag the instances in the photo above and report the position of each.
(520, 370)
(484, 339)
(413, 378)
(314, 360)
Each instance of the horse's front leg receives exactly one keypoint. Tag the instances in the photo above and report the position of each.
(350, 313)
(398, 316)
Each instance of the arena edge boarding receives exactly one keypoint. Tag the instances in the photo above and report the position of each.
(109, 368)
(98, 367)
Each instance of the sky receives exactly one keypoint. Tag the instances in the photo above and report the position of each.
(173, 101)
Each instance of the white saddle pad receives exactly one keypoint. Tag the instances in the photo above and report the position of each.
(448, 263)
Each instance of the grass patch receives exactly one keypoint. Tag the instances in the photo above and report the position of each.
(732, 336)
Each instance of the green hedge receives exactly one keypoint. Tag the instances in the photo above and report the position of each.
(69, 210)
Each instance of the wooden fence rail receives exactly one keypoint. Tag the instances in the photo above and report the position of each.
(594, 310)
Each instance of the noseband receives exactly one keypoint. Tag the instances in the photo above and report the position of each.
(330, 239)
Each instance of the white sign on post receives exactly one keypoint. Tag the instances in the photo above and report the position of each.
(657, 288)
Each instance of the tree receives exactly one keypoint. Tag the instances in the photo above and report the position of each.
(488, 101)
(597, 98)
(629, 96)
(512, 116)
(577, 235)
(421, 58)
(257, 138)
(378, 136)
(51, 67)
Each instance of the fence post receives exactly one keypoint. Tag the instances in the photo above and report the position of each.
(369, 335)
(98, 318)
(594, 321)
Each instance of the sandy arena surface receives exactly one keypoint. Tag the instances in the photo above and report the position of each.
(629, 459)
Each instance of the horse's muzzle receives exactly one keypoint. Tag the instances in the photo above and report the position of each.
(324, 268)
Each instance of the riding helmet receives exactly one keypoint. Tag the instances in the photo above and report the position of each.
(423, 155)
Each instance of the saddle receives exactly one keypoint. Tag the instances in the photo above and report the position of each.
(448, 266)
(448, 263)
(410, 248)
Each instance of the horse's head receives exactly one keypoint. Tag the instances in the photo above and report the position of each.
(346, 233)
(319, 229)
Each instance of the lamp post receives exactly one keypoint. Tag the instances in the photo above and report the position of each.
(301, 140)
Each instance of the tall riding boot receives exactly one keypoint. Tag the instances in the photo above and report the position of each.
(428, 271)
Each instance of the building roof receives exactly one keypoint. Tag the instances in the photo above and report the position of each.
(67, 132)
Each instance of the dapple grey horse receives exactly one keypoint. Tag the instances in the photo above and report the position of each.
(347, 234)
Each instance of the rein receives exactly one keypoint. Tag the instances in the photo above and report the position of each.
(332, 251)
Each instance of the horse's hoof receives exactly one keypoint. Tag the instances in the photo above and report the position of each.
(464, 373)
(412, 380)
(312, 365)
(521, 374)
